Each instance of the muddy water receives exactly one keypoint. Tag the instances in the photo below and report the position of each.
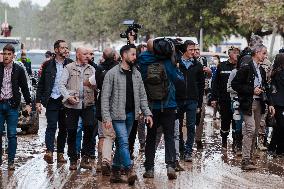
(211, 168)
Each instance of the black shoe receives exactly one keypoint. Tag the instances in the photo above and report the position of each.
(199, 145)
(178, 167)
(73, 165)
(187, 158)
(85, 163)
(115, 176)
(149, 173)
(171, 173)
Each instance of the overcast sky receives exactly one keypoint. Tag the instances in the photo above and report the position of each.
(15, 3)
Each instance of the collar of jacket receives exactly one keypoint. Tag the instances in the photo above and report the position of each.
(53, 61)
(120, 67)
(194, 63)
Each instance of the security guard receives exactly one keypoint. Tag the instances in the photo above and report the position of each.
(220, 94)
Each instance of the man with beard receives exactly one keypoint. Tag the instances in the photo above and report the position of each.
(123, 95)
(49, 95)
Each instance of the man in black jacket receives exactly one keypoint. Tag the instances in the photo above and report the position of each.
(220, 95)
(49, 96)
(251, 85)
(188, 95)
(12, 78)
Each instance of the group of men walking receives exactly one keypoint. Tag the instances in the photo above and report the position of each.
(104, 100)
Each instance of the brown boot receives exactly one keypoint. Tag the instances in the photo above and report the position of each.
(73, 165)
(131, 176)
(60, 158)
(105, 168)
(85, 163)
(248, 165)
(115, 176)
(48, 157)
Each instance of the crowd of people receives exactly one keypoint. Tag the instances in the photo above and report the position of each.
(140, 91)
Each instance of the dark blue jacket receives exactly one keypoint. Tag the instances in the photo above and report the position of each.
(147, 58)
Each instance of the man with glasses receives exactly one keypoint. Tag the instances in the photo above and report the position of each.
(220, 95)
(49, 95)
(188, 95)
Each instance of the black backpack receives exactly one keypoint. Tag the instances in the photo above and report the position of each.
(156, 82)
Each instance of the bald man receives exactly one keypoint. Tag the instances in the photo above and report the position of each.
(79, 100)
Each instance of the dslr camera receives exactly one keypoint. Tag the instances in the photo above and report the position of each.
(132, 26)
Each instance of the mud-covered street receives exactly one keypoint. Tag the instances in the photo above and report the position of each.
(211, 168)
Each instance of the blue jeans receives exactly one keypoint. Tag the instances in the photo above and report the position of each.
(189, 107)
(80, 134)
(122, 130)
(10, 116)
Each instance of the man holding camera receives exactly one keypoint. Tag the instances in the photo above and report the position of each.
(220, 95)
(49, 95)
(251, 85)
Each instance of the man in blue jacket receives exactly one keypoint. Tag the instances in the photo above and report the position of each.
(164, 111)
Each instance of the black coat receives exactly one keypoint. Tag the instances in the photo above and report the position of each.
(19, 80)
(243, 84)
(277, 88)
(194, 83)
(219, 83)
(47, 80)
(101, 71)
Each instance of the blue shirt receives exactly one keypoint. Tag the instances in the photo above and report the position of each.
(257, 78)
(55, 94)
(187, 62)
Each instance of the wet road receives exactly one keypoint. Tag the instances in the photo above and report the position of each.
(211, 168)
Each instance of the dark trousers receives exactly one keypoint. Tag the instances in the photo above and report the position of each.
(132, 136)
(226, 118)
(55, 114)
(72, 118)
(166, 120)
(279, 130)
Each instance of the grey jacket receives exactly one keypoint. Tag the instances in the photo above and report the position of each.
(113, 99)
(71, 84)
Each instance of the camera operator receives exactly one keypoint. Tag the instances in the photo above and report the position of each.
(252, 88)
(163, 107)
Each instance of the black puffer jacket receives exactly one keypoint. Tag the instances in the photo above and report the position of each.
(101, 71)
(19, 80)
(47, 80)
(243, 84)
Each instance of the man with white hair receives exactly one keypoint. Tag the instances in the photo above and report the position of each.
(252, 88)
(78, 100)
